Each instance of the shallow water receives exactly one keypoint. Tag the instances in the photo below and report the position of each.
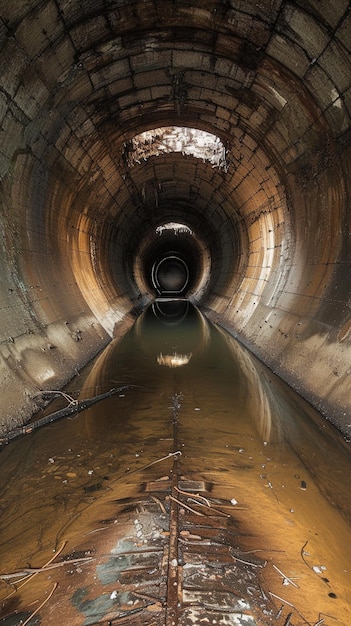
(277, 467)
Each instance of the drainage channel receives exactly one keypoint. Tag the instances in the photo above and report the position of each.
(173, 581)
(205, 492)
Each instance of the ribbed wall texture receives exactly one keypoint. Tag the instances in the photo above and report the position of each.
(270, 251)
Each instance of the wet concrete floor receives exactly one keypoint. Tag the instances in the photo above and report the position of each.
(209, 493)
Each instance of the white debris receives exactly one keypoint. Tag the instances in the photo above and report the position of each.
(187, 141)
(319, 569)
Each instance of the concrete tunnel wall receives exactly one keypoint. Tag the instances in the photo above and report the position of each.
(271, 230)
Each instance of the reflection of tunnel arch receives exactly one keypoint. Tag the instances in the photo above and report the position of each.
(170, 275)
(170, 312)
(80, 81)
(185, 330)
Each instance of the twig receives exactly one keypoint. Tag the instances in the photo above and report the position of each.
(95, 530)
(159, 503)
(145, 596)
(28, 578)
(211, 507)
(53, 417)
(302, 552)
(70, 400)
(162, 459)
(287, 621)
(236, 558)
(285, 577)
(330, 617)
(186, 507)
(41, 605)
(281, 599)
(230, 506)
(194, 495)
(197, 495)
(140, 469)
(260, 550)
(264, 595)
(292, 606)
(38, 570)
(66, 525)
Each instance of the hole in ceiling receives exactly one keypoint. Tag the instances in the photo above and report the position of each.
(176, 227)
(188, 141)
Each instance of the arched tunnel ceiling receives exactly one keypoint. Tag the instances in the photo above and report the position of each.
(272, 80)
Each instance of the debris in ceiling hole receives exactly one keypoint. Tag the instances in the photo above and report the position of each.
(175, 226)
(188, 141)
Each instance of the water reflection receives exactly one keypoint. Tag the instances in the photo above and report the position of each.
(171, 312)
(192, 332)
(173, 326)
(279, 466)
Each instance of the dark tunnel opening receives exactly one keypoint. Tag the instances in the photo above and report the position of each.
(170, 275)
(173, 261)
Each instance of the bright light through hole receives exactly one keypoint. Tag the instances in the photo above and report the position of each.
(175, 226)
(188, 141)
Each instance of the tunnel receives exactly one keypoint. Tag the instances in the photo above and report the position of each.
(175, 163)
(189, 149)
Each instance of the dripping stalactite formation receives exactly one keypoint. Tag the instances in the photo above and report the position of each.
(101, 105)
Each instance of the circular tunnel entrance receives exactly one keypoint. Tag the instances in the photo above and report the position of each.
(170, 276)
(172, 260)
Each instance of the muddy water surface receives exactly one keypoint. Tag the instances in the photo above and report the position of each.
(203, 411)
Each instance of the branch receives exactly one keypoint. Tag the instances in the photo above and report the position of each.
(53, 417)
